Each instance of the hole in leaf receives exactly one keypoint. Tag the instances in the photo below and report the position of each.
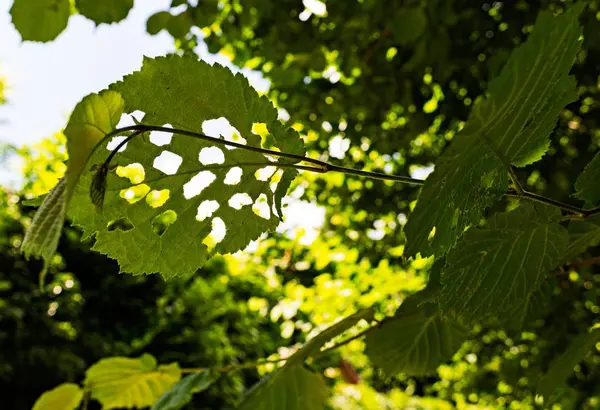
(220, 127)
(134, 172)
(161, 222)
(265, 173)
(161, 138)
(134, 193)
(167, 162)
(126, 120)
(113, 143)
(197, 184)
(234, 176)
(122, 224)
(157, 199)
(206, 209)
(261, 207)
(237, 201)
(217, 233)
(211, 155)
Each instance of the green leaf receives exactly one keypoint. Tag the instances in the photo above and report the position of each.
(294, 387)
(124, 382)
(181, 393)
(284, 184)
(414, 343)
(93, 117)
(106, 11)
(530, 308)
(582, 235)
(495, 267)
(190, 93)
(157, 22)
(562, 366)
(409, 24)
(40, 20)
(587, 185)
(510, 126)
(67, 396)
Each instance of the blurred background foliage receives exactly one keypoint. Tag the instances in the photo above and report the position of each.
(377, 85)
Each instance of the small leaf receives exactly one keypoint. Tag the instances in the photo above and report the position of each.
(105, 11)
(94, 117)
(582, 235)
(287, 178)
(289, 388)
(511, 125)
(292, 387)
(157, 22)
(495, 267)
(562, 367)
(587, 184)
(181, 393)
(40, 20)
(414, 343)
(124, 382)
(67, 396)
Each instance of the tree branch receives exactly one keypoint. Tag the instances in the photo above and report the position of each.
(323, 166)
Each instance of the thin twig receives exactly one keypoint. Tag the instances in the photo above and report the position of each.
(345, 342)
(324, 166)
(577, 264)
(233, 367)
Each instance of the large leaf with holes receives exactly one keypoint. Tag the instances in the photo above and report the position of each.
(172, 220)
(414, 343)
(40, 20)
(510, 126)
(94, 117)
(562, 367)
(587, 184)
(125, 382)
(582, 235)
(67, 396)
(500, 265)
(294, 387)
(106, 11)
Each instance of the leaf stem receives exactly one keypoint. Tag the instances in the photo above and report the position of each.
(233, 367)
(324, 167)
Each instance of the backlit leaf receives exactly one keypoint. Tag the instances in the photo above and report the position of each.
(106, 11)
(203, 216)
(125, 382)
(40, 20)
(511, 125)
(67, 396)
(500, 265)
(414, 344)
(93, 117)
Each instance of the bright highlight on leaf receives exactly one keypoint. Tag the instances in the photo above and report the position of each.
(510, 126)
(118, 382)
(67, 396)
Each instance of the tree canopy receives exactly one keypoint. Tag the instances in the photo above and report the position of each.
(450, 147)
